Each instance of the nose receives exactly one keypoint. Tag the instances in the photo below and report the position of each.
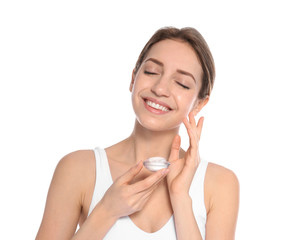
(161, 87)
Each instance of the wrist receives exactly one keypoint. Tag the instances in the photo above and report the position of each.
(105, 213)
(176, 189)
(179, 199)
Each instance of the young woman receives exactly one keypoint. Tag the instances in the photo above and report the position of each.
(113, 196)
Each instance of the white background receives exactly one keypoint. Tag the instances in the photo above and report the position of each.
(65, 68)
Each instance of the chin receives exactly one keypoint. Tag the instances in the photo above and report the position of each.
(158, 126)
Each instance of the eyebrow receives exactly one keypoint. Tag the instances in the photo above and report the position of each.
(178, 70)
(186, 73)
(155, 61)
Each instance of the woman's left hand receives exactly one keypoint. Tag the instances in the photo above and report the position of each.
(182, 170)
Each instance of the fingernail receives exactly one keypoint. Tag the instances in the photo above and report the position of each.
(165, 171)
(137, 165)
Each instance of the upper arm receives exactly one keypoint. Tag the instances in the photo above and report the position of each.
(65, 197)
(222, 216)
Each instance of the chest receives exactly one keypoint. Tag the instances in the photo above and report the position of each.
(157, 211)
(154, 221)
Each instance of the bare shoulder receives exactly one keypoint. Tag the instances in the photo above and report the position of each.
(80, 161)
(222, 202)
(220, 183)
(219, 175)
(78, 170)
(68, 193)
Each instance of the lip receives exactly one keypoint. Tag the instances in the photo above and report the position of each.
(156, 101)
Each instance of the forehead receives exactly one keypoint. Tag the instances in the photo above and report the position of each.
(176, 53)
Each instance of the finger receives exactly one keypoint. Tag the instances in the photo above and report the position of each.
(150, 181)
(131, 173)
(193, 138)
(199, 126)
(148, 192)
(190, 132)
(192, 120)
(143, 197)
(191, 124)
(187, 124)
(175, 149)
(175, 168)
(191, 164)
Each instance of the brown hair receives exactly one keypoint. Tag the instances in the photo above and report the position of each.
(197, 42)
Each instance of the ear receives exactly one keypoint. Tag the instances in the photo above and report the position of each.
(199, 104)
(133, 80)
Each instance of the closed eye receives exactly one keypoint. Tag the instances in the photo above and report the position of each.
(182, 85)
(150, 73)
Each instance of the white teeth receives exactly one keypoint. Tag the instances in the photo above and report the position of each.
(157, 106)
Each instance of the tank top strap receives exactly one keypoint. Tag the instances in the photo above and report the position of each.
(197, 194)
(103, 177)
(201, 171)
(197, 186)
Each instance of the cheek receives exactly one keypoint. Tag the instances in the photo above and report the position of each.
(186, 103)
(140, 83)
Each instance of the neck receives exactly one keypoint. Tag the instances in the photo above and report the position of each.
(144, 143)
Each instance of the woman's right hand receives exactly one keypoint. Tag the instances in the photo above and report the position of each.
(124, 197)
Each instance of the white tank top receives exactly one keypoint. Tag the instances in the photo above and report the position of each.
(124, 228)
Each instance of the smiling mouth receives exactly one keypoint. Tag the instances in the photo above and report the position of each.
(157, 106)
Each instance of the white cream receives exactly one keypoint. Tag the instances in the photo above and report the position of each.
(156, 163)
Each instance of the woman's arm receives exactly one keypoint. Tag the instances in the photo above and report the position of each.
(222, 187)
(182, 171)
(66, 195)
(97, 224)
(185, 222)
(121, 199)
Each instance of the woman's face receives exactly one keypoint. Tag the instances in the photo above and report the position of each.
(166, 86)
